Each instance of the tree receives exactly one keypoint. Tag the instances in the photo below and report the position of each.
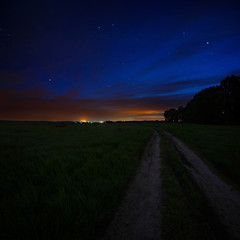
(206, 107)
(171, 115)
(214, 105)
(231, 88)
(180, 113)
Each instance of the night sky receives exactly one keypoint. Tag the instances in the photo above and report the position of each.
(112, 60)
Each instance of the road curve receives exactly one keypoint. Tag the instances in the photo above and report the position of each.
(138, 217)
(224, 200)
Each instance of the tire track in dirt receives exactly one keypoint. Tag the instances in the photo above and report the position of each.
(139, 215)
(224, 200)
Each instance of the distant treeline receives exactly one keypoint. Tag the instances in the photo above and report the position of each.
(213, 105)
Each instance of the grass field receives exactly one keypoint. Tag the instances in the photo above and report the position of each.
(64, 182)
(219, 146)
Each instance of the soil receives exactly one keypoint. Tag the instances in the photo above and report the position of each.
(139, 213)
(223, 198)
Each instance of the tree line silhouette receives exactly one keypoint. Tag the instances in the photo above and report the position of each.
(213, 105)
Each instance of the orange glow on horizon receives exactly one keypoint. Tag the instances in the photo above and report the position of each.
(17, 107)
(141, 115)
(140, 111)
(120, 115)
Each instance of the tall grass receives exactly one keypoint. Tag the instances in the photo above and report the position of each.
(64, 182)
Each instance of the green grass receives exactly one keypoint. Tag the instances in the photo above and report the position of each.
(64, 182)
(218, 145)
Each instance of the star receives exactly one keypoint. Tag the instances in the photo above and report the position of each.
(208, 43)
(49, 79)
(99, 27)
(113, 24)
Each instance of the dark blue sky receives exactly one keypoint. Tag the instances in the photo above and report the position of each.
(100, 60)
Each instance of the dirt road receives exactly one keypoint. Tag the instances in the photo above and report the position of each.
(139, 215)
(222, 197)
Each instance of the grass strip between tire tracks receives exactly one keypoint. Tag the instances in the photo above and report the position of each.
(186, 214)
